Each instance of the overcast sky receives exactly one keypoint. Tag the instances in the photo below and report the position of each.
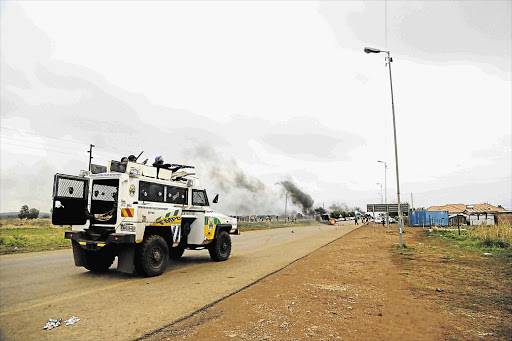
(254, 93)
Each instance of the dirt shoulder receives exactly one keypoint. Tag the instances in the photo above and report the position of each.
(353, 288)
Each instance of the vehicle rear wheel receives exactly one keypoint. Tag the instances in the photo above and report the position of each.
(152, 256)
(220, 249)
(98, 261)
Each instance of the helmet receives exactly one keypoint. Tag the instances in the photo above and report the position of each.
(159, 159)
(132, 158)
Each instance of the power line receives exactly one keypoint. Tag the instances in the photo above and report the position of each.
(45, 149)
(386, 25)
(51, 145)
(60, 139)
(50, 137)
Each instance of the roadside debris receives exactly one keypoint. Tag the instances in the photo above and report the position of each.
(72, 320)
(52, 323)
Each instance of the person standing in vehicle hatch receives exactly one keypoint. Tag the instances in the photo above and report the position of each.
(158, 161)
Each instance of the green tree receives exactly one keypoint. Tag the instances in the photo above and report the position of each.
(335, 214)
(23, 212)
(33, 213)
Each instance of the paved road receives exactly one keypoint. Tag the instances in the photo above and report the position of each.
(38, 286)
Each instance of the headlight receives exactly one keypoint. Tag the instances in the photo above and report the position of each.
(134, 172)
(128, 227)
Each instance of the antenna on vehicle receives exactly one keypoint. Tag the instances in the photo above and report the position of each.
(139, 155)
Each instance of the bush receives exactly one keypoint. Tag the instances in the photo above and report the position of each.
(492, 242)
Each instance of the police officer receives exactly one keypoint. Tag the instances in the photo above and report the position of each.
(158, 161)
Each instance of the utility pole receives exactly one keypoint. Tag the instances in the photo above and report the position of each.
(386, 191)
(285, 207)
(90, 155)
(373, 217)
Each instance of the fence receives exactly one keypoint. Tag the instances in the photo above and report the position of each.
(428, 218)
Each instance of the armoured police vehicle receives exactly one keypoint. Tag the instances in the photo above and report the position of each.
(143, 215)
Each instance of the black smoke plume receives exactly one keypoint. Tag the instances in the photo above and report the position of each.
(298, 197)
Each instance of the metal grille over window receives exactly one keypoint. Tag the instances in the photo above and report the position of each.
(104, 193)
(176, 195)
(151, 192)
(199, 198)
(70, 188)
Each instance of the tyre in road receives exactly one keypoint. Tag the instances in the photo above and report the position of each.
(98, 261)
(220, 249)
(152, 256)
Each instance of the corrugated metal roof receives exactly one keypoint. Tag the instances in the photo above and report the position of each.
(459, 208)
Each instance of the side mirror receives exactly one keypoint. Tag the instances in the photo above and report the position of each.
(216, 199)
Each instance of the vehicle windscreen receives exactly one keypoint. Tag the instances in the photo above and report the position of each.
(104, 196)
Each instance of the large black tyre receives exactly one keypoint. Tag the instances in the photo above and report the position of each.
(176, 252)
(152, 256)
(98, 261)
(220, 249)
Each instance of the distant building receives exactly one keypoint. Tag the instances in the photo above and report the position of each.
(504, 217)
(476, 214)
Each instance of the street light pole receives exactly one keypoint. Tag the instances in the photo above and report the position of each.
(378, 183)
(386, 191)
(389, 60)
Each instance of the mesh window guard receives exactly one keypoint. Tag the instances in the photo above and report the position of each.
(70, 188)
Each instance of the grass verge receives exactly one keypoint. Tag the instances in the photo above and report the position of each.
(258, 225)
(21, 235)
(469, 275)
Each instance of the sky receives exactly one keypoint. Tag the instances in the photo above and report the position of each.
(254, 93)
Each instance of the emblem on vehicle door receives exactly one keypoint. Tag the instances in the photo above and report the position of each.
(132, 190)
(210, 224)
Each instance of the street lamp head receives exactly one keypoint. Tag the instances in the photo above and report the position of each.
(371, 50)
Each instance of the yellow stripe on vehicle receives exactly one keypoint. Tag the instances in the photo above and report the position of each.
(101, 244)
(82, 243)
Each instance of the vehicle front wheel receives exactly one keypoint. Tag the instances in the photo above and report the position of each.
(98, 261)
(220, 249)
(152, 256)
